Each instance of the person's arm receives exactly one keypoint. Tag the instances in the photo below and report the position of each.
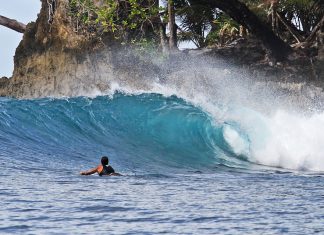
(89, 172)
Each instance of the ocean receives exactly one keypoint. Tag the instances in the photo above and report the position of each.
(188, 168)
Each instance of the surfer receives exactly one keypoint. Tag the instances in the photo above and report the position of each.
(103, 169)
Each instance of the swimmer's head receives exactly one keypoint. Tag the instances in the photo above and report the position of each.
(104, 161)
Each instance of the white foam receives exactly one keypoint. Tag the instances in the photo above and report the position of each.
(294, 142)
(239, 145)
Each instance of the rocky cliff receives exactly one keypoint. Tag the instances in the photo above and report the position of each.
(55, 60)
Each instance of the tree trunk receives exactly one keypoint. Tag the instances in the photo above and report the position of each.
(163, 39)
(12, 24)
(274, 22)
(172, 26)
(241, 14)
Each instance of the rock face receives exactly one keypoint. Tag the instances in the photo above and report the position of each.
(54, 60)
(48, 55)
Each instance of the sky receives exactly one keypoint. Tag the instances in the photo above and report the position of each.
(24, 11)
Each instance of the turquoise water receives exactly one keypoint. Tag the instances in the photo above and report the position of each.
(186, 170)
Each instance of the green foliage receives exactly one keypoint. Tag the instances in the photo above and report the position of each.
(195, 21)
(107, 17)
(305, 13)
(132, 18)
(138, 20)
(81, 12)
(225, 30)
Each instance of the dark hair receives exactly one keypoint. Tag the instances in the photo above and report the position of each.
(104, 160)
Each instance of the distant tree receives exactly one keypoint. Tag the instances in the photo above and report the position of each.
(196, 21)
(277, 23)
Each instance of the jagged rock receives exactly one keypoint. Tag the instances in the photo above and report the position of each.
(55, 60)
(4, 81)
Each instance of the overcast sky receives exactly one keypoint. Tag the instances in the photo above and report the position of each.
(23, 11)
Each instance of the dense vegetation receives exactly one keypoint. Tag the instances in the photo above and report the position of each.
(206, 22)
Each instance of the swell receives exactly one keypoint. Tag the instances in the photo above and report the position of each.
(157, 134)
(148, 132)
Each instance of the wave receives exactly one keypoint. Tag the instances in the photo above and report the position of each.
(157, 133)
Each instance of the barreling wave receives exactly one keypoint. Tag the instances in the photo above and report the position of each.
(149, 130)
(156, 133)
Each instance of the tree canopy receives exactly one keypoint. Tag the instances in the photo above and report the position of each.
(202, 22)
(277, 23)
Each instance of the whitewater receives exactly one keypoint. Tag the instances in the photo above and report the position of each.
(204, 150)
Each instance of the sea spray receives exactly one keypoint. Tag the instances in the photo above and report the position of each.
(196, 113)
(295, 142)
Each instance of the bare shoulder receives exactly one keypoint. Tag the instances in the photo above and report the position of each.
(99, 168)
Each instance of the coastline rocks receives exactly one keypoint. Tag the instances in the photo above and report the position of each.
(56, 61)
(4, 81)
